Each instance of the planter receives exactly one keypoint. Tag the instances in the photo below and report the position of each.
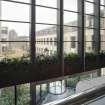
(23, 73)
(72, 67)
(11, 74)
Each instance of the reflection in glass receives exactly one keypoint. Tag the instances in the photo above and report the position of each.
(57, 87)
(38, 93)
(44, 90)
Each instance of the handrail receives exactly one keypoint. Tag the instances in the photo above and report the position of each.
(82, 97)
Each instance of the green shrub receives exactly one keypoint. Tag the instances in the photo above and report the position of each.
(71, 56)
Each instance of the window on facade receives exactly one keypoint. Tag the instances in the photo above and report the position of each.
(4, 31)
(51, 41)
(55, 43)
(73, 44)
(4, 49)
(47, 40)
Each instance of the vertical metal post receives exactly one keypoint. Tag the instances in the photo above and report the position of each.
(33, 94)
(33, 49)
(32, 31)
(15, 91)
(0, 24)
(81, 33)
(60, 33)
(97, 27)
(97, 45)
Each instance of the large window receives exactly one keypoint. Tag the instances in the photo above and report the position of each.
(14, 26)
(102, 25)
(70, 26)
(49, 28)
(89, 26)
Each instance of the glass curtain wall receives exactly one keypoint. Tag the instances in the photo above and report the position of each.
(15, 44)
(15, 34)
(14, 26)
(89, 26)
(70, 26)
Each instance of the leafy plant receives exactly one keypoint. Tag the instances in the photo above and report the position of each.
(42, 59)
(14, 61)
(71, 56)
(90, 55)
(102, 54)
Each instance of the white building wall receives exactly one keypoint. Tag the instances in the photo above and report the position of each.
(4, 37)
(68, 33)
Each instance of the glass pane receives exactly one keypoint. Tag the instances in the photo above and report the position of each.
(70, 18)
(46, 40)
(89, 8)
(11, 31)
(89, 34)
(25, 1)
(91, 0)
(102, 46)
(44, 90)
(38, 93)
(89, 21)
(14, 50)
(102, 35)
(102, 2)
(7, 96)
(89, 47)
(70, 47)
(69, 33)
(50, 3)
(57, 87)
(70, 40)
(23, 94)
(45, 15)
(14, 11)
(102, 23)
(70, 5)
(103, 71)
(102, 13)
